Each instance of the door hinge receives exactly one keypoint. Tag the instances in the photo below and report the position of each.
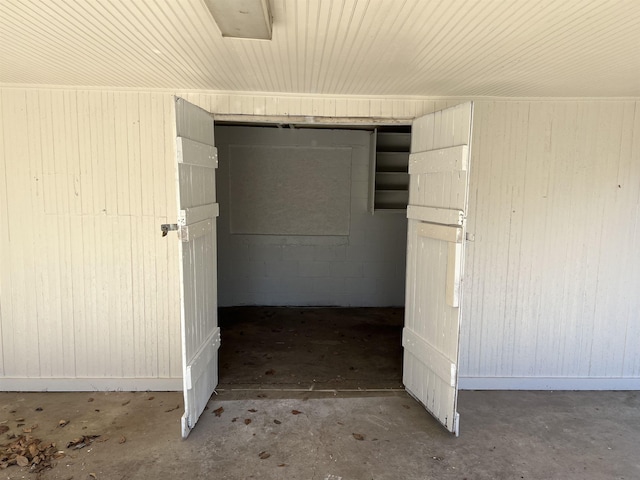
(167, 227)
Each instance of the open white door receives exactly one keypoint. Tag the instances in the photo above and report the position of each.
(197, 162)
(438, 194)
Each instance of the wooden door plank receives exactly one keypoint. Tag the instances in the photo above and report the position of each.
(445, 216)
(450, 159)
(446, 233)
(193, 152)
(191, 215)
(429, 355)
(196, 230)
(193, 122)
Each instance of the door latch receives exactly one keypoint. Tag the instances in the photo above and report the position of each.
(167, 227)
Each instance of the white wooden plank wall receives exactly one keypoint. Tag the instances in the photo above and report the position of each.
(316, 105)
(554, 269)
(88, 288)
(555, 237)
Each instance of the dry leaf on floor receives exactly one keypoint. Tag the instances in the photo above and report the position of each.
(30, 429)
(39, 409)
(271, 371)
(247, 421)
(218, 411)
(358, 436)
(262, 395)
(234, 419)
(252, 410)
(172, 409)
(277, 422)
(296, 412)
(63, 423)
(20, 419)
(93, 475)
(26, 450)
(122, 439)
(282, 465)
(3, 428)
(264, 455)
(90, 399)
(81, 442)
(126, 402)
(33, 450)
(151, 398)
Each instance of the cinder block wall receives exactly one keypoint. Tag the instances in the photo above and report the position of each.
(364, 268)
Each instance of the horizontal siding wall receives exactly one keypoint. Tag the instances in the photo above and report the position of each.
(553, 276)
(88, 288)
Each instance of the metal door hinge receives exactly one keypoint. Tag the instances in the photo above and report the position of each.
(167, 227)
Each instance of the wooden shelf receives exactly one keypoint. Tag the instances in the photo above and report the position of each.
(389, 187)
(392, 141)
(392, 181)
(392, 161)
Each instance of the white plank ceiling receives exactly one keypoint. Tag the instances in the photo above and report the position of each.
(523, 48)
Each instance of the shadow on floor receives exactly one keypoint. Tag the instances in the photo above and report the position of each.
(311, 348)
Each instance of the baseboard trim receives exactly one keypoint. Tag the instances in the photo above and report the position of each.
(175, 384)
(90, 384)
(548, 383)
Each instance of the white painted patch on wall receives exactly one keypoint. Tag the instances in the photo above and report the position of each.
(289, 190)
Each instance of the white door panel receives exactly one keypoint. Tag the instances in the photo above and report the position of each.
(197, 212)
(438, 196)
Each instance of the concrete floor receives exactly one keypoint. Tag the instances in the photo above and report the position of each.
(504, 435)
(281, 427)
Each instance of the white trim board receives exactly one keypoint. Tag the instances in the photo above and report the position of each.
(548, 383)
(91, 384)
(320, 96)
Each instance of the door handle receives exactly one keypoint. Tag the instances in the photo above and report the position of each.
(167, 227)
